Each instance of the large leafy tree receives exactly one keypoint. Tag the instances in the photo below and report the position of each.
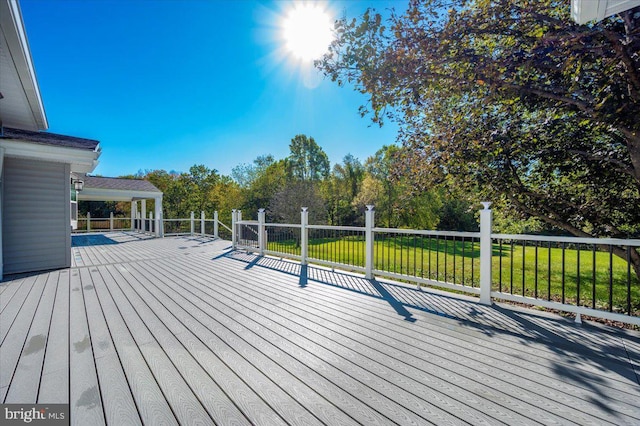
(341, 189)
(308, 160)
(512, 99)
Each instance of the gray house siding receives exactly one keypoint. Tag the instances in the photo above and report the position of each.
(36, 211)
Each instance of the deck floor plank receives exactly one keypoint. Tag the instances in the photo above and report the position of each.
(378, 312)
(151, 402)
(13, 304)
(26, 379)
(84, 388)
(375, 372)
(365, 404)
(417, 359)
(244, 362)
(185, 404)
(54, 384)
(182, 330)
(170, 333)
(255, 405)
(7, 290)
(119, 405)
(16, 328)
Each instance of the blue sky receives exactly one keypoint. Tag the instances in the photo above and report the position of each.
(165, 84)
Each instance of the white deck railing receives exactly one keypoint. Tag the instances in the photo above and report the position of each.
(586, 276)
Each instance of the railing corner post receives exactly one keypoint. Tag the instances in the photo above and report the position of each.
(193, 223)
(304, 235)
(88, 222)
(234, 219)
(215, 224)
(486, 253)
(369, 240)
(261, 231)
(202, 223)
(110, 221)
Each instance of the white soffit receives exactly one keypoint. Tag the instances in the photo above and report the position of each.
(583, 11)
(81, 160)
(21, 106)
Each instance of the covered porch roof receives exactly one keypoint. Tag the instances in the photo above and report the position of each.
(116, 189)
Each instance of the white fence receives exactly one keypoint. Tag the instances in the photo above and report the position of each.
(586, 276)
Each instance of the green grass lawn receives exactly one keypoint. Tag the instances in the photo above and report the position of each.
(514, 268)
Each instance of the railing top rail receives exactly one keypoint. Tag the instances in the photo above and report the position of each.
(573, 240)
(338, 228)
(283, 225)
(247, 222)
(425, 232)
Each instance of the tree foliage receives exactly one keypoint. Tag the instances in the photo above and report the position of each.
(509, 99)
(307, 160)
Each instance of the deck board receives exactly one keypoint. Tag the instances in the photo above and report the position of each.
(151, 403)
(184, 403)
(260, 407)
(182, 330)
(54, 384)
(366, 340)
(26, 379)
(15, 327)
(84, 387)
(119, 405)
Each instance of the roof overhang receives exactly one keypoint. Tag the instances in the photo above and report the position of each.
(583, 11)
(104, 194)
(21, 104)
(81, 160)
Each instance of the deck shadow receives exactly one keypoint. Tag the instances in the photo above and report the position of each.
(91, 240)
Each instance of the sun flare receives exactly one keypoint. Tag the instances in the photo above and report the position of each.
(307, 31)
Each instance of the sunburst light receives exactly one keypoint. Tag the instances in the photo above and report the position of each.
(307, 31)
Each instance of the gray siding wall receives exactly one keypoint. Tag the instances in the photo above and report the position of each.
(36, 225)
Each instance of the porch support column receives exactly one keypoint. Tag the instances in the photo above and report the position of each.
(134, 209)
(159, 223)
(143, 215)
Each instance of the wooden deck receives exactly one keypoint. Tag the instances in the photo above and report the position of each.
(183, 331)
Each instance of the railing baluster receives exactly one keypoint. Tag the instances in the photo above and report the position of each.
(610, 278)
(628, 280)
(593, 279)
(578, 276)
(563, 272)
(535, 291)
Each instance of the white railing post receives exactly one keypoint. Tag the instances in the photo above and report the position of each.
(193, 223)
(234, 219)
(215, 224)
(134, 209)
(143, 215)
(486, 253)
(261, 231)
(88, 221)
(368, 238)
(202, 223)
(110, 221)
(150, 222)
(304, 235)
